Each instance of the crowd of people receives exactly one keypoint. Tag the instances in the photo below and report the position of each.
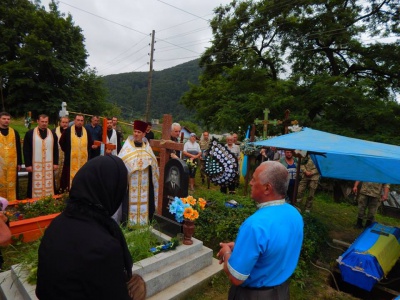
(122, 186)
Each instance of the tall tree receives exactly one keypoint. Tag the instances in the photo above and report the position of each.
(43, 61)
(326, 59)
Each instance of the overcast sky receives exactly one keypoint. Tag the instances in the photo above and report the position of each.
(118, 32)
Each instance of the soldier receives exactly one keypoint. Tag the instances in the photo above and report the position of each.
(310, 178)
(370, 196)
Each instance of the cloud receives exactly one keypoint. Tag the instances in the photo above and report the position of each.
(118, 33)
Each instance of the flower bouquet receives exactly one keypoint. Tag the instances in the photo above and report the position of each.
(192, 164)
(187, 210)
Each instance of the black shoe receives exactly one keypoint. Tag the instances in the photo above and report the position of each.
(359, 224)
(368, 223)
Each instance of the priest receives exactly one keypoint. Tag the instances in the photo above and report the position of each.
(112, 138)
(143, 175)
(41, 159)
(76, 144)
(64, 122)
(10, 158)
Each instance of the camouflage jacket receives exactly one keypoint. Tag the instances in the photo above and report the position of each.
(372, 189)
(308, 165)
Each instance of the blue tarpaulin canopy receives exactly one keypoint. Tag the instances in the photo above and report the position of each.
(342, 157)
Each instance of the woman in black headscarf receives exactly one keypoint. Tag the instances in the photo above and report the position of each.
(83, 253)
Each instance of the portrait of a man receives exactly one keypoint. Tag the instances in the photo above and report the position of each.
(172, 186)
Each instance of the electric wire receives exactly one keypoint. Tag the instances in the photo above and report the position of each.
(328, 33)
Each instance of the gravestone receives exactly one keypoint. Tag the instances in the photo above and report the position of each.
(176, 183)
(165, 145)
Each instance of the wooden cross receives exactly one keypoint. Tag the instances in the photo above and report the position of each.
(164, 145)
(265, 122)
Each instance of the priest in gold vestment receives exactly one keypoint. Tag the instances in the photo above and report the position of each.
(143, 175)
(76, 144)
(64, 122)
(10, 158)
(41, 159)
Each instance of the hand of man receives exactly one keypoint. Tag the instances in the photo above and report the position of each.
(29, 169)
(55, 167)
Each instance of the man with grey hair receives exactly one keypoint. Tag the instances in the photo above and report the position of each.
(175, 132)
(267, 249)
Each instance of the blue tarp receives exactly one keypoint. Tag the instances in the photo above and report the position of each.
(342, 157)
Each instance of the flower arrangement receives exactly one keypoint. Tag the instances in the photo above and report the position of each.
(44, 206)
(186, 208)
(192, 164)
(166, 246)
(248, 148)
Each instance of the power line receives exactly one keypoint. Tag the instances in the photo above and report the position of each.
(100, 17)
(183, 10)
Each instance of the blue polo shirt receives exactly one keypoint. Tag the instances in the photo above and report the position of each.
(267, 248)
(95, 132)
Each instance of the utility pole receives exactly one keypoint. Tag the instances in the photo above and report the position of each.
(150, 79)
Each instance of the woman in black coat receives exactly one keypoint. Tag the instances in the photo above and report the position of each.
(83, 254)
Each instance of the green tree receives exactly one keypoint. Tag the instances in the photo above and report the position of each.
(323, 60)
(43, 62)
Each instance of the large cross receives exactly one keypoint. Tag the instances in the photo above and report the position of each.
(104, 146)
(164, 145)
(265, 122)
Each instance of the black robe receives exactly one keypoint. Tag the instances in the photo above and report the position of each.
(28, 152)
(83, 253)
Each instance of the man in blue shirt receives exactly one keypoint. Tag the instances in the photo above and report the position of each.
(96, 132)
(267, 249)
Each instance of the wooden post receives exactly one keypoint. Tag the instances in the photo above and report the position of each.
(164, 145)
(286, 121)
(150, 79)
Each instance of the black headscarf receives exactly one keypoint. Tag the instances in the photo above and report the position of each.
(97, 191)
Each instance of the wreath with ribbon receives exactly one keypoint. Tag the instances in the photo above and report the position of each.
(221, 165)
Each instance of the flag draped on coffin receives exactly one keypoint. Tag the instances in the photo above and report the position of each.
(342, 157)
(371, 256)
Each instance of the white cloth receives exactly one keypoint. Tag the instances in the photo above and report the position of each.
(113, 140)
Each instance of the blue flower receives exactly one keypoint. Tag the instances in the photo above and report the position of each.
(177, 207)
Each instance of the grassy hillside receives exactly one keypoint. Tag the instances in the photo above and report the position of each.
(129, 91)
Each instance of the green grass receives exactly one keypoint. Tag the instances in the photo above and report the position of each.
(339, 218)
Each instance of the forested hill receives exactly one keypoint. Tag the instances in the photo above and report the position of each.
(129, 91)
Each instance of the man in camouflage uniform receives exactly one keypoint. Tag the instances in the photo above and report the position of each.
(370, 196)
(204, 145)
(310, 178)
